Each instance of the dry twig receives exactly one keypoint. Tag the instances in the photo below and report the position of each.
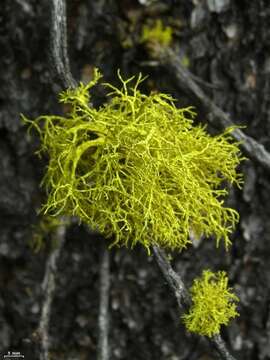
(49, 286)
(58, 41)
(103, 319)
(61, 65)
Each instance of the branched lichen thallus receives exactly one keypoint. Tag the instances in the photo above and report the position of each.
(213, 304)
(137, 168)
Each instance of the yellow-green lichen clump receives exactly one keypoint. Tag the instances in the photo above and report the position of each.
(213, 304)
(158, 33)
(136, 169)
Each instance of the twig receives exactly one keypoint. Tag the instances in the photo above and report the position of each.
(217, 116)
(220, 346)
(58, 41)
(104, 293)
(179, 290)
(61, 64)
(174, 280)
(49, 289)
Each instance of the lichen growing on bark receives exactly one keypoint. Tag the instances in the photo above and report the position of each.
(137, 169)
(213, 304)
(157, 33)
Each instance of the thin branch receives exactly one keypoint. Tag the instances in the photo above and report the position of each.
(182, 296)
(217, 116)
(220, 346)
(61, 65)
(49, 286)
(58, 41)
(173, 279)
(103, 319)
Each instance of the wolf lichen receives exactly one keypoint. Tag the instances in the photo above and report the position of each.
(213, 304)
(137, 169)
(157, 33)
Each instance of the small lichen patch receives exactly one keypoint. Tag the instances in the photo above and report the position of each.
(158, 33)
(137, 169)
(213, 304)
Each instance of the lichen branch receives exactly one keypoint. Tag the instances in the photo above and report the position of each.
(183, 298)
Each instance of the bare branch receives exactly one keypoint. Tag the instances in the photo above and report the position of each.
(174, 280)
(104, 293)
(217, 116)
(182, 296)
(49, 288)
(58, 42)
(220, 345)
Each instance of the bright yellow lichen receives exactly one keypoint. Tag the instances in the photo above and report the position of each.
(137, 169)
(213, 304)
(157, 33)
